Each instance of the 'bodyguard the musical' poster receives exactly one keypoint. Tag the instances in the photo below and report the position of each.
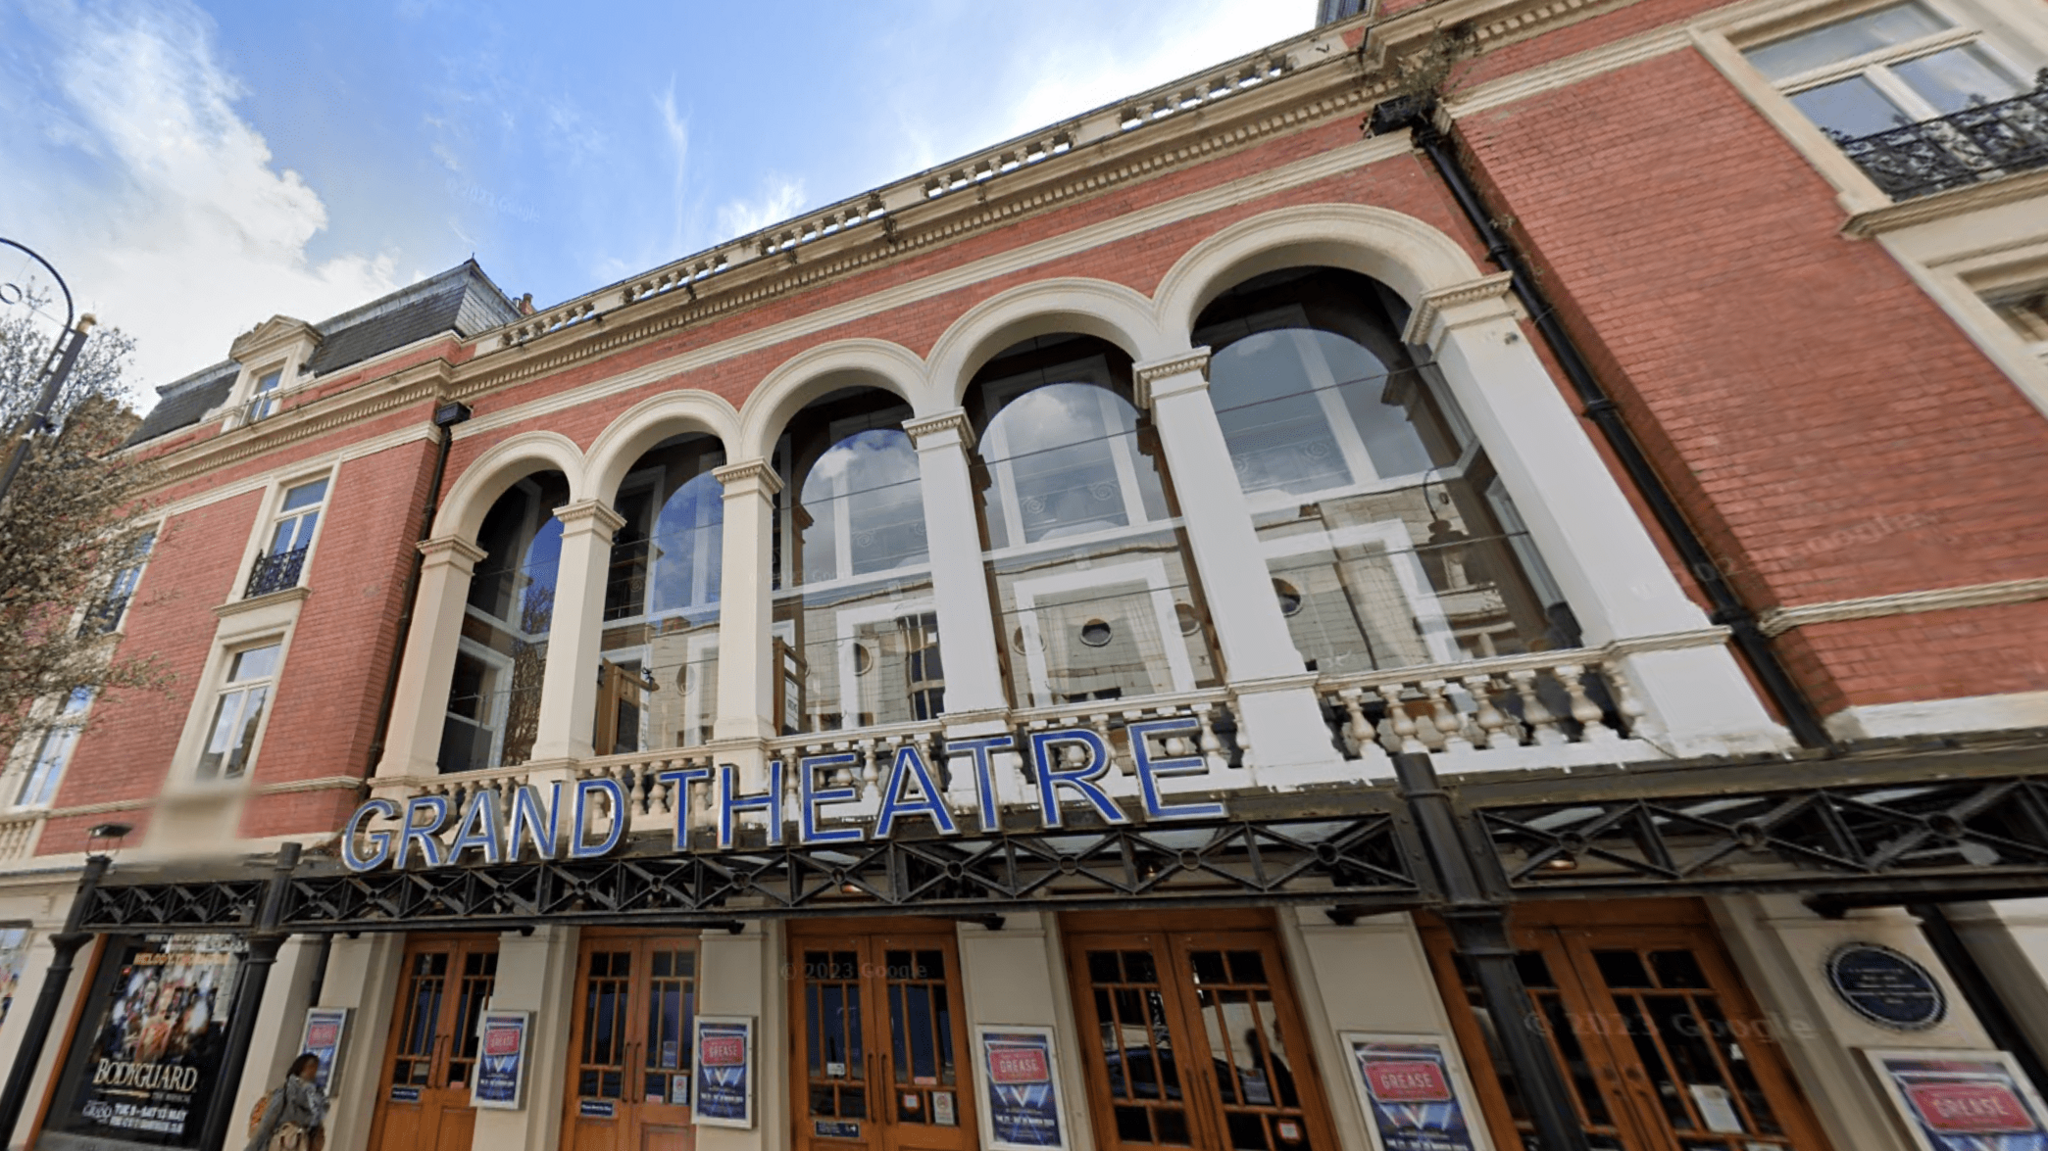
(145, 1060)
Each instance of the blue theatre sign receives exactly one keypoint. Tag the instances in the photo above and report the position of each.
(489, 831)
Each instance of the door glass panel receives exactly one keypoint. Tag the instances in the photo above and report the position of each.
(671, 1002)
(426, 978)
(1254, 1078)
(1137, 1047)
(479, 976)
(832, 1035)
(1555, 1020)
(602, 1073)
(920, 1032)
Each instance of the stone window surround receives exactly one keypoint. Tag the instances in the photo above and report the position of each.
(273, 619)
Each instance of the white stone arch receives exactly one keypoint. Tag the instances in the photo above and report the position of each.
(499, 467)
(1398, 250)
(814, 372)
(649, 422)
(1088, 307)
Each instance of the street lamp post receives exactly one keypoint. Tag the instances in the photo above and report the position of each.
(56, 370)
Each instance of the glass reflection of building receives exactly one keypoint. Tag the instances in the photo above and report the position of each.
(494, 698)
(658, 678)
(1082, 541)
(855, 627)
(1390, 538)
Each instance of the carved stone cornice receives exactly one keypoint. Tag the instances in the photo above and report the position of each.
(1778, 621)
(1146, 377)
(290, 595)
(935, 427)
(748, 476)
(1452, 307)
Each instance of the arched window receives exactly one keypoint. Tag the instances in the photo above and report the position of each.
(1390, 539)
(1083, 545)
(658, 676)
(856, 629)
(494, 698)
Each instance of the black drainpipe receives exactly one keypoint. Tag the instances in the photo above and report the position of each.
(446, 416)
(1417, 114)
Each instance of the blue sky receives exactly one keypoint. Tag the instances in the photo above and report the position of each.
(195, 168)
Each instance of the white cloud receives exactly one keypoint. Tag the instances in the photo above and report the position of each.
(677, 127)
(160, 204)
(782, 199)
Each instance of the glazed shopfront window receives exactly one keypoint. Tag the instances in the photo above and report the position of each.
(1390, 539)
(1083, 543)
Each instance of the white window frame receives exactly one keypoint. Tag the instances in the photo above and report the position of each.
(1002, 473)
(221, 686)
(62, 724)
(273, 514)
(2016, 35)
(155, 532)
(1159, 588)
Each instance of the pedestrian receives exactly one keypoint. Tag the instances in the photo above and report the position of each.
(294, 1117)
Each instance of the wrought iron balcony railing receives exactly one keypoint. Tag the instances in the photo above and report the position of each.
(275, 572)
(1957, 150)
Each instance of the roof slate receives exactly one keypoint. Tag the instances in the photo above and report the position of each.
(461, 300)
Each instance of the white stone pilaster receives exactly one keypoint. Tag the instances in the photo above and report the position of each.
(535, 973)
(746, 667)
(1017, 976)
(747, 974)
(280, 1024)
(419, 708)
(363, 975)
(967, 629)
(1282, 722)
(1590, 537)
(568, 686)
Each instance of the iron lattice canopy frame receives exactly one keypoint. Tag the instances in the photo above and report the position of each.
(1836, 831)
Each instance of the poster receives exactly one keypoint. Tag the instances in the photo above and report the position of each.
(725, 1071)
(326, 1029)
(1409, 1093)
(501, 1060)
(144, 1063)
(1022, 1089)
(1963, 1100)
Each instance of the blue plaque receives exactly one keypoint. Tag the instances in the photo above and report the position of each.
(1886, 987)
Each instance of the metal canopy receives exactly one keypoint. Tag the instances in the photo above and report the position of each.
(1840, 832)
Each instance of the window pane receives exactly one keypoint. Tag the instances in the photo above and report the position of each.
(305, 495)
(269, 382)
(255, 663)
(252, 714)
(1958, 78)
(41, 785)
(80, 697)
(222, 740)
(1852, 107)
(1845, 40)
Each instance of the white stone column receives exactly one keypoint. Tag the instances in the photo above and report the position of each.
(746, 664)
(967, 629)
(1589, 534)
(568, 685)
(419, 708)
(363, 975)
(2009, 940)
(535, 973)
(1275, 695)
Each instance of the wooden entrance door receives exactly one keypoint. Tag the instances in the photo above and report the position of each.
(629, 1043)
(444, 985)
(1659, 1042)
(878, 1039)
(1191, 1037)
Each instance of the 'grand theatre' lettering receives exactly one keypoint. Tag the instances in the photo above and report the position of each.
(490, 831)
